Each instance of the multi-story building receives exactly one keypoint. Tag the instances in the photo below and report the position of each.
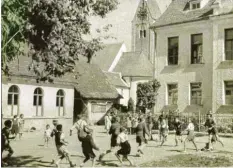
(194, 56)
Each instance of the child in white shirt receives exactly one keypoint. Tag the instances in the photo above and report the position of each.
(47, 135)
(125, 149)
(190, 134)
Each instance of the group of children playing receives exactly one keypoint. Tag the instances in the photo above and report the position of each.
(119, 138)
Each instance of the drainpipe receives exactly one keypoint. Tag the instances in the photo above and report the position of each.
(154, 55)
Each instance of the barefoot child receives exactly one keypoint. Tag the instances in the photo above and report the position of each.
(88, 145)
(60, 144)
(6, 139)
(47, 135)
(122, 140)
(190, 135)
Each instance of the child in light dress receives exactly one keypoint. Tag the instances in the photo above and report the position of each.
(47, 135)
(190, 134)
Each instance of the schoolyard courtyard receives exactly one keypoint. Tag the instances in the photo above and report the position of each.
(31, 152)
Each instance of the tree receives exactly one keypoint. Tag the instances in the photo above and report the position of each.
(146, 94)
(13, 27)
(130, 104)
(56, 33)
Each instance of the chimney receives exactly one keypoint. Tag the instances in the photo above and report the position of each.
(216, 7)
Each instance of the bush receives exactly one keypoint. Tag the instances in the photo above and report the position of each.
(224, 129)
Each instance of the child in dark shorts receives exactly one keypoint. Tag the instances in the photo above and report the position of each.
(178, 130)
(114, 132)
(87, 146)
(212, 131)
(6, 140)
(125, 149)
(60, 145)
(141, 130)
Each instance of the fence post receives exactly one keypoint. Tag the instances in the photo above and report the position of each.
(199, 120)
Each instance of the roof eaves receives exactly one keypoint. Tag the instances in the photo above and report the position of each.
(188, 21)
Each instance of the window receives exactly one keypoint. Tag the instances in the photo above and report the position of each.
(196, 93)
(229, 44)
(98, 108)
(196, 5)
(142, 34)
(13, 95)
(196, 49)
(173, 50)
(60, 98)
(172, 93)
(38, 97)
(229, 92)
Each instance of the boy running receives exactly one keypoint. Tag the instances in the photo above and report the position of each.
(212, 131)
(122, 140)
(60, 144)
(141, 130)
(178, 129)
(6, 139)
(114, 132)
(87, 146)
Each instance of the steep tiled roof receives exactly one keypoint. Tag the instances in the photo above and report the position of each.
(105, 57)
(134, 64)
(91, 82)
(115, 79)
(20, 66)
(177, 13)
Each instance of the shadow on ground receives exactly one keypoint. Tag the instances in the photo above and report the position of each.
(28, 161)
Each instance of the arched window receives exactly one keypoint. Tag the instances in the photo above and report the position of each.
(60, 98)
(60, 102)
(13, 95)
(38, 101)
(38, 97)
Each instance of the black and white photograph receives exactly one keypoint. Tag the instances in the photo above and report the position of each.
(116, 83)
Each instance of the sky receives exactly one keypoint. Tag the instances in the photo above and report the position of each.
(120, 19)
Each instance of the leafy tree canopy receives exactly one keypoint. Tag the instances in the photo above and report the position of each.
(55, 32)
(146, 94)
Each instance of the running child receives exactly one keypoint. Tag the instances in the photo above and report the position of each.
(212, 131)
(6, 140)
(125, 149)
(47, 135)
(87, 146)
(114, 132)
(60, 144)
(163, 130)
(190, 134)
(141, 130)
(178, 130)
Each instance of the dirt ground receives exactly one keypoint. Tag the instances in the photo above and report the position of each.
(30, 151)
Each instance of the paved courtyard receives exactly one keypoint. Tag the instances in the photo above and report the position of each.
(30, 150)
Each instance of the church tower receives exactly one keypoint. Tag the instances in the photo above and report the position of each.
(142, 36)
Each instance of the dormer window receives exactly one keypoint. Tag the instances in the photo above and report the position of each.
(195, 5)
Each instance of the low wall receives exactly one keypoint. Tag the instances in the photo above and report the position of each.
(40, 123)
